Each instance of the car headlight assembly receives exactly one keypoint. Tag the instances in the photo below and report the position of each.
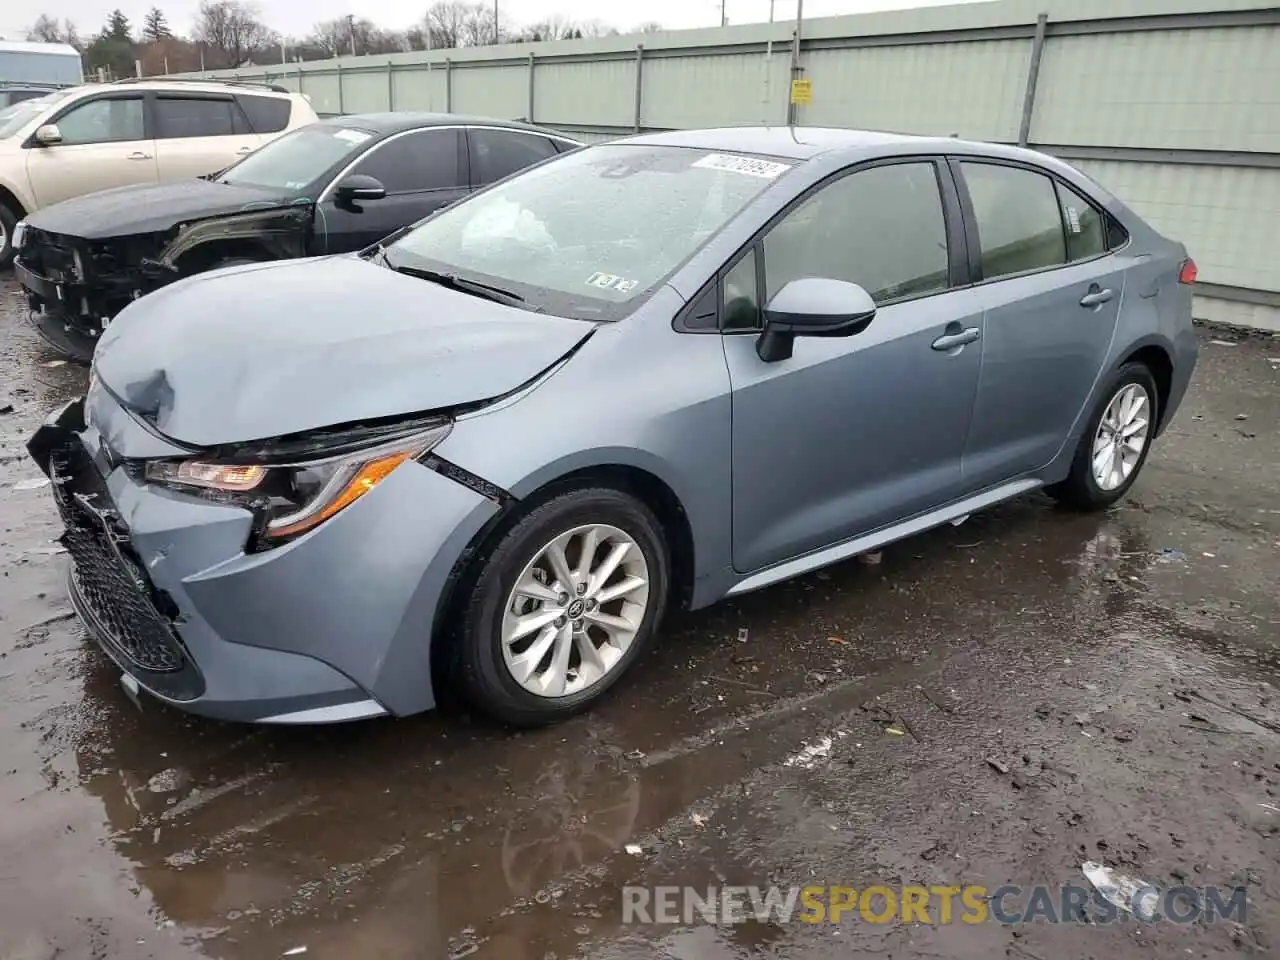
(292, 498)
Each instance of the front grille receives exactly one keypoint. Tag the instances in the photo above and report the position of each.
(50, 255)
(111, 581)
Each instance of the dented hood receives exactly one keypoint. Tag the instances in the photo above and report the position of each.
(267, 350)
(149, 208)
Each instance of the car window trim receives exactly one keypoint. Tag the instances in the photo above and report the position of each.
(966, 202)
(62, 111)
(328, 191)
(953, 223)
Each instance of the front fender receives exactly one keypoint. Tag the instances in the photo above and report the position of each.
(281, 230)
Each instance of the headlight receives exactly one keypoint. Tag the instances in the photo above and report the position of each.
(297, 497)
(19, 232)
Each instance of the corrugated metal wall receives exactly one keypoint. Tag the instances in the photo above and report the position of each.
(1173, 104)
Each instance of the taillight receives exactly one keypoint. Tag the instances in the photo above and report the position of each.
(1188, 272)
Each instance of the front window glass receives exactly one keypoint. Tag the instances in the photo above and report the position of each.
(17, 116)
(590, 232)
(111, 120)
(298, 159)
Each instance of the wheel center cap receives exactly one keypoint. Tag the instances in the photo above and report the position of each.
(576, 609)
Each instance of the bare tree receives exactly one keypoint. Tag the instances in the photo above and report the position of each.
(555, 27)
(231, 31)
(446, 20)
(650, 26)
(337, 38)
(596, 28)
(477, 28)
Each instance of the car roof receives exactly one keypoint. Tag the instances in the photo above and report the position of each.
(171, 86)
(806, 143)
(388, 123)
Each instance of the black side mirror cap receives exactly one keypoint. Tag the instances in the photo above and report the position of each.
(360, 186)
(813, 307)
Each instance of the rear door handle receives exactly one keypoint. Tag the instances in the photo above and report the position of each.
(245, 150)
(949, 341)
(1096, 297)
(139, 155)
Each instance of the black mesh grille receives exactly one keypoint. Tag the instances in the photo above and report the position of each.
(114, 587)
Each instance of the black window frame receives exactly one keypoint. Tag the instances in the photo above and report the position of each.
(1109, 221)
(238, 116)
(460, 146)
(148, 130)
(959, 246)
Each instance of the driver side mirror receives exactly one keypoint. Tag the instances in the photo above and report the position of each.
(48, 134)
(360, 186)
(812, 307)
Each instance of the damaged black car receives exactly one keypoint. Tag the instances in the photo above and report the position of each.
(331, 187)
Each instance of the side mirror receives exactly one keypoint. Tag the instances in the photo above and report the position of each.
(813, 307)
(48, 134)
(359, 186)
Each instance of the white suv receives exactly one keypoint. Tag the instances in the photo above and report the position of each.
(84, 139)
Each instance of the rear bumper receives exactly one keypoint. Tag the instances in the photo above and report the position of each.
(333, 626)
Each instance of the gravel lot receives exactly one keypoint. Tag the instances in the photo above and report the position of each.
(997, 702)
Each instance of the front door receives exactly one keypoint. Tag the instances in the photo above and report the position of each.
(851, 434)
(104, 145)
(422, 171)
(1052, 295)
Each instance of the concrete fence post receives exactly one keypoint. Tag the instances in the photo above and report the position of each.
(341, 93)
(391, 87)
(1033, 75)
(639, 86)
(532, 67)
(448, 85)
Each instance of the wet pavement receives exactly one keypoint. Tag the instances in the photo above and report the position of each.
(993, 703)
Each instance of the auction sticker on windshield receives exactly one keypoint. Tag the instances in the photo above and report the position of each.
(352, 136)
(752, 167)
(611, 281)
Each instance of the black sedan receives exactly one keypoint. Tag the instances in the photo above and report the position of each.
(331, 187)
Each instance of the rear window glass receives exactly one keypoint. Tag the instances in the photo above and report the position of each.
(182, 117)
(266, 114)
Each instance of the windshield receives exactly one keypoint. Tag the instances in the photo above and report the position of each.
(587, 233)
(14, 118)
(296, 160)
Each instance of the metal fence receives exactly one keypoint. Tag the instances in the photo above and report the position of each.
(1173, 104)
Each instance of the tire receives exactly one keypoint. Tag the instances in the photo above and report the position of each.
(8, 220)
(490, 605)
(1082, 489)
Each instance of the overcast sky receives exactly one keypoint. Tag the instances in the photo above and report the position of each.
(296, 17)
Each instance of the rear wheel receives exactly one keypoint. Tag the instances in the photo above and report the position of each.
(565, 603)
(1115, 443)
(8, 220)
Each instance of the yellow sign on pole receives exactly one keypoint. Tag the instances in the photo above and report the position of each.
(802, 92)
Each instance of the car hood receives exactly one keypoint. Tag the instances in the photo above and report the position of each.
(126, 211)
(267, 350)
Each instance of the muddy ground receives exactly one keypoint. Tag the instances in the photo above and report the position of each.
(853, 727)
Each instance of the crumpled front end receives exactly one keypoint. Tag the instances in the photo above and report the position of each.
(75, 286)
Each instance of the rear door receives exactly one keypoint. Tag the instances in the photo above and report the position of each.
(198, 134)
(1052, 292)
(105, 143)
(496, 153)
(422, 171)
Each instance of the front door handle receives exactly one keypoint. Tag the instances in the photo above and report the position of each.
(1096, 297)
(245, 151)
(139, 155)
(949, 341)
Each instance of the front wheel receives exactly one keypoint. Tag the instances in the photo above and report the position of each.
(1115, 443)
(564, 604)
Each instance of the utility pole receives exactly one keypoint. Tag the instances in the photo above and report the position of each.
(795, 61)
(351, 27)
(724, 16)
(495, 22)
(283, 58)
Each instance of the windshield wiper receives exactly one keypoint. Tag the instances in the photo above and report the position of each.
(473, 287)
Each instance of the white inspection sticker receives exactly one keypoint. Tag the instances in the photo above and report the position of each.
(1073, 218)
(751, 166)
(352, 136)
(611, 281)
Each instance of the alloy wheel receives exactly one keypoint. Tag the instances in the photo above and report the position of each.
(575, 610)
(1122, 437)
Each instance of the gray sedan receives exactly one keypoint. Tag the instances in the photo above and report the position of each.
(489, 452)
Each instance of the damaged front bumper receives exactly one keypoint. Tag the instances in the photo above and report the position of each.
(336, 625)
